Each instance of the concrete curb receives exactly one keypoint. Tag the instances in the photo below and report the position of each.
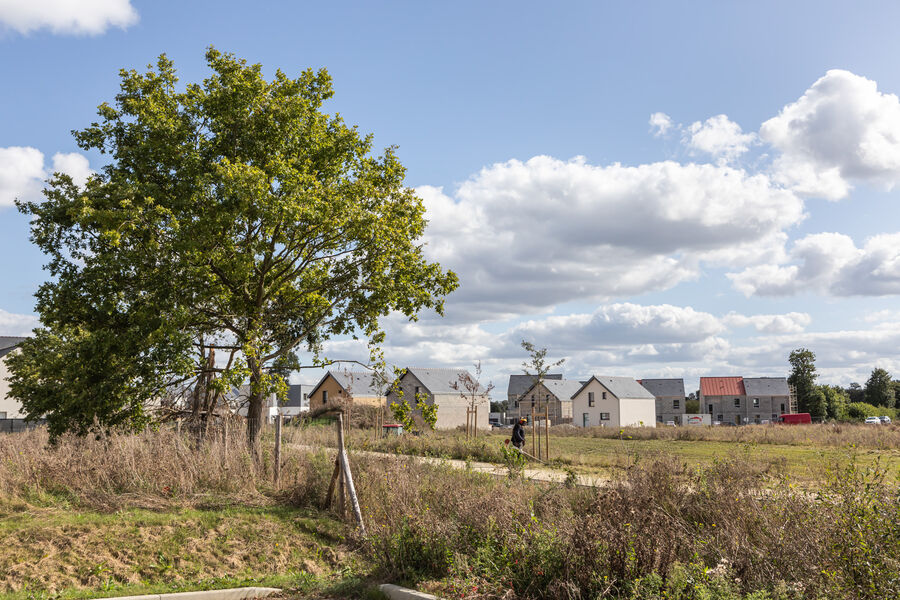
(244, 593)
(395, 592)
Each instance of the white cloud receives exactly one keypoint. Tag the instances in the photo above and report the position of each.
(719, 137)
(89, 17)
(22, 172)
(660, 123)
(829, 263)
(525, 236)
(842, 129)
(17, 325)
(75, 165)
(793, 322)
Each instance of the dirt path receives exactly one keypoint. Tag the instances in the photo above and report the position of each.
(541, 474)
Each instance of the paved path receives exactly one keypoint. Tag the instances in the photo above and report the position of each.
(542, 474)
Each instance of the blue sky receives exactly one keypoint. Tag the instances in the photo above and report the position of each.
(752, 215)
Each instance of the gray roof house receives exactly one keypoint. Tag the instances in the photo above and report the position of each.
(435, 386)
(9, 407)
(613, 402)
(766, 386)
(553, 394)
(519, 384)
(670, 399)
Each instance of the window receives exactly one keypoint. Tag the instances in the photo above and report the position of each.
(774, 417)
(305, 397)
(756, 419)
(417, 390)
(532, 400)
(515, 404)
(737, 402)
(719, 418)
(710, 409)
(604, 416)
(2, 415)
(590, 398)
(782, 409)
(676, 404)
(324, 396)
(659, 418)
(547, 399)
(604, 396)
(756, 403)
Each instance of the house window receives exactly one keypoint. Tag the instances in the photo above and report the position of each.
(737, 402)
(676, 404)
(305, 397)
(604, 416)
(719, 418)
(547, 399)
(604, 396)
(515, 404)
(590, 398)
(782, 409)
(756, 419)
(710, 408)
(659, 418)
(417, 391)
(532, 400)
(324, 396)
(2, 415)
(756, 403)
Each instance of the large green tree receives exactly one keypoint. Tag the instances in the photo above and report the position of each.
(803, 378)
(880, 389)
(836, 400)
(234, 214)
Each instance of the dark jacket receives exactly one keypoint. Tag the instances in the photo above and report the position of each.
(518, 435)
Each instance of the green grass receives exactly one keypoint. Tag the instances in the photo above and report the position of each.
(59, 552)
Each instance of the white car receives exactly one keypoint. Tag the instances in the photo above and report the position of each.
(873, 421)
(885, 420)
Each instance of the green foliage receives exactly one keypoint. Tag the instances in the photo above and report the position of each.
(692, 407)
(236, 211)
(429, 412)
(879, 389)
(803, 378)
(836, 401)
(858, 411)
(402, 412)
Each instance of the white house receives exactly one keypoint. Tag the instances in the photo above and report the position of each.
(10, 408)
(613, 402)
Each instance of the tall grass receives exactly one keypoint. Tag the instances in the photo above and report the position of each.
(660, 529)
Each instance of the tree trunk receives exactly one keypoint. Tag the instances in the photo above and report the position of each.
(254, 408)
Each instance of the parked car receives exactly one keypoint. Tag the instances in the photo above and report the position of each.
(885, 420)
(670, 423)
(873, 421)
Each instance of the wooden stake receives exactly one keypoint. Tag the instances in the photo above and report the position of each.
(547, 432)
(334, 479)
(277, 470)
(533, 433)
(348, 479)
(475, 425)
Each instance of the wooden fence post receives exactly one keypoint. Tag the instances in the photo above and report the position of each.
(277, 470)
(547, 431)
(348, 477)
(475, 418)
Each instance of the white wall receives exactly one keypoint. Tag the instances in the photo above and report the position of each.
(637, 412)
(11, 407)
(609, 405)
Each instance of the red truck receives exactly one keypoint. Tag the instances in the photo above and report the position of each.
(796, 419)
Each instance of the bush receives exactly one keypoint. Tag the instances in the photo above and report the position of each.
(860, 410)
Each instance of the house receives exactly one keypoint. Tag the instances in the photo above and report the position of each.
(362, 388)
(297, 401)
(436, 386)
(553, 394)
(743, 400)
(613, 402)
(519, 384)
(9, 407)
(669, 394)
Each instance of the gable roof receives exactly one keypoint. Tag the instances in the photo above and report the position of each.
(519, 384)
(664, 387)
(621, 387)
(361, 383)
(8, 343)
(722, 386)
(440, 381)
(766, 386)
(561, 388)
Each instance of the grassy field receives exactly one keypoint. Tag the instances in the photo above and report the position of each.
(158, 512)
(806, 454)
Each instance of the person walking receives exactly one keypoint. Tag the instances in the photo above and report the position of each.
(518, 433)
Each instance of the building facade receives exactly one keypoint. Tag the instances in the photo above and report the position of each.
(10, 408)
(553, 394)
(745, 400)
(613, 402)
(362, 388)
(670, 399)
(436, 386)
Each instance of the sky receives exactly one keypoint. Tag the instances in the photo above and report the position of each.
(651, 189)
